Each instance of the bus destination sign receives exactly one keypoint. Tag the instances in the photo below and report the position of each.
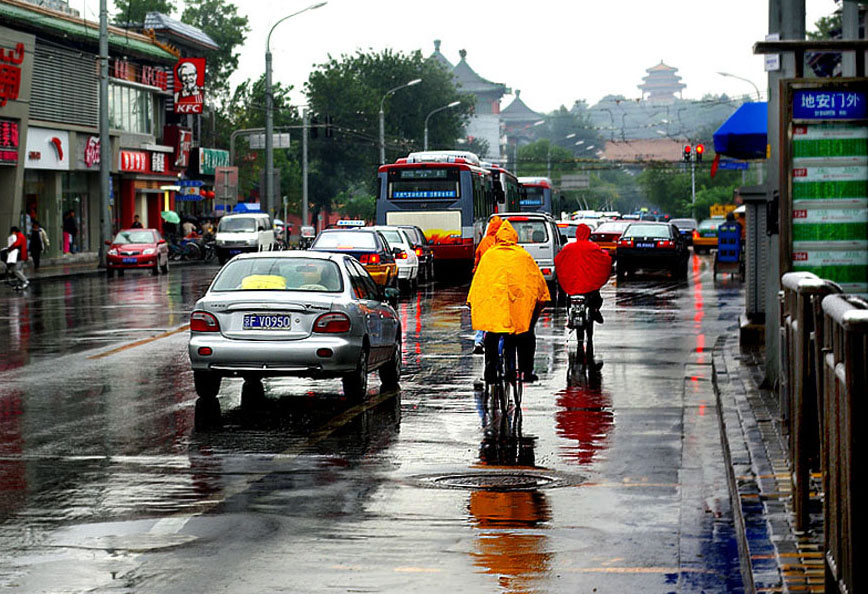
(424, 173)
(424, 194)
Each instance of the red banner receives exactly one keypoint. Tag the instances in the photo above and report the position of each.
(189, 85)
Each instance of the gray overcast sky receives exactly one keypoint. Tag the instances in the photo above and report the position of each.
(554, 51)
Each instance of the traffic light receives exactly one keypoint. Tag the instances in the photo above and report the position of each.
(699, 149)
(687, 151)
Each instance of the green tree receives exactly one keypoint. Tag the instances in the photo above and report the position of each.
(221, 21)
(544, 158)
(134, 11)
(828, 27)
(357, 203)
(349, 91)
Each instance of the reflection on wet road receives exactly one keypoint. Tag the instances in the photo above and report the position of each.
(609, 477)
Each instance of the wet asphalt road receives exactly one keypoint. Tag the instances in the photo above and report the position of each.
(616, 480)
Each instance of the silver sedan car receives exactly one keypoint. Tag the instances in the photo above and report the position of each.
(294, 313)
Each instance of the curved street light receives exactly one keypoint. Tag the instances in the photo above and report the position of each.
(415, 81)
(747, 80)
(453, 104)
(269, 111)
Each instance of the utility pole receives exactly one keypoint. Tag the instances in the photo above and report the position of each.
(305, 125)
(105, 153)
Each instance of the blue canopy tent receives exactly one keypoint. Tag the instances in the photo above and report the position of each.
(744, 135)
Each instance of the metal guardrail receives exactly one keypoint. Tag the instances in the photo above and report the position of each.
(801, 411)
(824, 380)
(844, 368)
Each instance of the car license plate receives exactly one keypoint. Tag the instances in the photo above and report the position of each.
(266, 322)
(644, 245)
(130, 260)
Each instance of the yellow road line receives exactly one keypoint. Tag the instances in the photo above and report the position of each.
(131, 345)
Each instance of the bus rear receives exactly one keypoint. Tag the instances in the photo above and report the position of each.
(448, 196)
(536, 195)
(506, 189)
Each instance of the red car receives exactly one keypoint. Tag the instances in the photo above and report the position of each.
(137, 248)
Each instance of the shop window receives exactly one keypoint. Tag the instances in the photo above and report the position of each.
(131, 109)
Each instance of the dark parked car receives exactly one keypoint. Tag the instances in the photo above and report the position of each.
(651, 245)
(686, 227)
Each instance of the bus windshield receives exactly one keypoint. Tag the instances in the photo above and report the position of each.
(424, 184)
(534, 197)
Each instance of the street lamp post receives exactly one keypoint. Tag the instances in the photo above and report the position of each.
(425, 143)
(747, 80)
(415, 81)
(269, 112)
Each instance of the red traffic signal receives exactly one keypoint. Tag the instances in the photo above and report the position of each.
(700, 148)
(687, 150)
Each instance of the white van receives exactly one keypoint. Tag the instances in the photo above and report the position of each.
(247, 232)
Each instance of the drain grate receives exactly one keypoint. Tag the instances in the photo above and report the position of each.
(495, 481)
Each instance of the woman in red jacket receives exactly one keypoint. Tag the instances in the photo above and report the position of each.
(17, 242)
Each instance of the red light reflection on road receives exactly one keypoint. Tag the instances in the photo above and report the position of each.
(584, 416)
(699, 306)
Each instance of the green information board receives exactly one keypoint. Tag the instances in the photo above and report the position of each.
(830, 201)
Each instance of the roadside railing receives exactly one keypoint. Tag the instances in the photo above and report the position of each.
(824, 381)
(844, 387)
(801, 412)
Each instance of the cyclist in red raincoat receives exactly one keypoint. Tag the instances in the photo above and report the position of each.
(583, 267)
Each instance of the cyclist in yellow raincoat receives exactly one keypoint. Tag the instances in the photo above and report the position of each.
(506, 296)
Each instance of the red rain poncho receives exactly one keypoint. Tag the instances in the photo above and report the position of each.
(582, 266)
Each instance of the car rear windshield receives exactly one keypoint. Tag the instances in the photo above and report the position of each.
(568, 230)
(346, 240)
(611, 228)
(280, 274)
(533, 231)
(239, 225)
(710, 223)
(647, 231)
(134, 237)
(393, 237)
(684, 223)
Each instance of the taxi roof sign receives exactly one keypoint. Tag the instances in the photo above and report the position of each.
(351, 223)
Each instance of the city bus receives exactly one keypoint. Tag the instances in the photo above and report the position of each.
(506, 189)
(448, 194)
(536, 195)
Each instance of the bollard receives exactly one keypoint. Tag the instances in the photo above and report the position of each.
(802, 290)
(845, 373)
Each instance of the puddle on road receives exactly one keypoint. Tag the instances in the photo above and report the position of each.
(497, 480)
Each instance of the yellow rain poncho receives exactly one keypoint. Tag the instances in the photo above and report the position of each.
(487, 241)
(507, 286)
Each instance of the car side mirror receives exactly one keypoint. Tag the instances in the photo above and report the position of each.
(161, 242)
(107, 242)
(563, 238)
(397, 251)
(390, 296)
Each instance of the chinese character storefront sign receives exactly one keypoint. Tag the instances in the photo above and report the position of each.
(10, 73)
(8, 142)
(158, 162)
(151, 76)
(189, 85)
(134, 161)
(91, 152)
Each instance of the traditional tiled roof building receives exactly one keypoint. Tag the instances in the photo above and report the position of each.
(518, 120)
(661, 84)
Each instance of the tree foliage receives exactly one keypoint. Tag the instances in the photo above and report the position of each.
(350, 90)
(134, 11)
(221, 21)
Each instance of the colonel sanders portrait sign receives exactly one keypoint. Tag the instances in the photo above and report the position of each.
(189, 85)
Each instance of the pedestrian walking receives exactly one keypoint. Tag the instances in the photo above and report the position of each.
(39, 243)
(70, 230)
(17, 244)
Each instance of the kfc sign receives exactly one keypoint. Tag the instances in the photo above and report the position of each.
(135, 161)
(189, 85)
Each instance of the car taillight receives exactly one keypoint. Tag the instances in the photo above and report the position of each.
(370, 259)
(419, 252)
(546, 271)
(666, 243)
(695, 234)
(402, 255)
(332, 323)
(202, 321)
(625, 242)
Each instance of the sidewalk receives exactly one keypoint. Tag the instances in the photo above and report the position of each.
(774, 557)
(70, 264)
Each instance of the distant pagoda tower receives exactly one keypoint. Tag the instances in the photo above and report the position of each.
(661, 84)
(440, 58)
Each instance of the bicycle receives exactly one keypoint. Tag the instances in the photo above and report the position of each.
(507, 379)
(580, 318)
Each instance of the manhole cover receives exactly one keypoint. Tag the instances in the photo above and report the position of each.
(501, 481)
